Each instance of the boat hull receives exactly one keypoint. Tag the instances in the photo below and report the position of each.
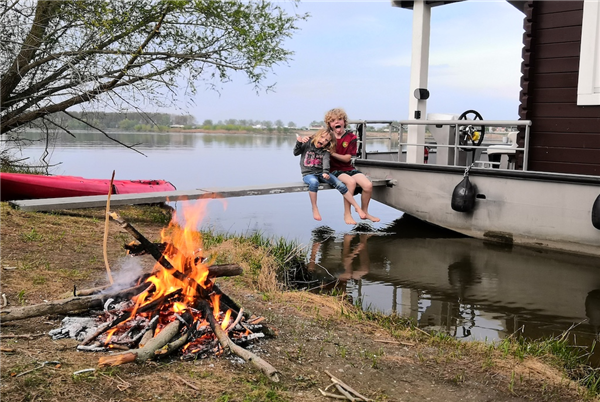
(19, 186)
(532, 209)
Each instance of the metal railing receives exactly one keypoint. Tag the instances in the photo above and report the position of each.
(399, 125)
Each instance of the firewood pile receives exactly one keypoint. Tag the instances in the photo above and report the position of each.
(177, 310)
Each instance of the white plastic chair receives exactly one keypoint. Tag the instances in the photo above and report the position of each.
(495, 152)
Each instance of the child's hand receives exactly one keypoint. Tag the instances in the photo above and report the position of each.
(302, 139)
(326, 176)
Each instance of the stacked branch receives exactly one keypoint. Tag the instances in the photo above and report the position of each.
(344, 391)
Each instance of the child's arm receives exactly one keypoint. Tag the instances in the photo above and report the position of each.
(342, 158)
(326, 165)
(298, 148)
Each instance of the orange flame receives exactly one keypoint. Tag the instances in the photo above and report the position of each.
(110, 334)
(226, 320)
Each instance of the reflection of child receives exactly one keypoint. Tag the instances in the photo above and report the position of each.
(314, 166)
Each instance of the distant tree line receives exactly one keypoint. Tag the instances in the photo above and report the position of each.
(250, 125)
(162, 122)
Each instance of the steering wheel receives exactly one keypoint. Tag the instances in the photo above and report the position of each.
(472, 134)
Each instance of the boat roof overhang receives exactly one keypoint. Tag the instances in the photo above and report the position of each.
(433, 3)
(519, 5)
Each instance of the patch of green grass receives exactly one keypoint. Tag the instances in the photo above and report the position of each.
(289, 256)
(574, 360)
(263, 391)
(111, 371)
(84, 377)
(57, 237)
(21, 297)
(32, 236)
(33, 380)
(74, 273)
(9, 166)
(39, 280)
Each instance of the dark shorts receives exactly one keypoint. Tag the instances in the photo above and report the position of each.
(337, 173)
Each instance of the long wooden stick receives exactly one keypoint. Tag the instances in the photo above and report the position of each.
(106, 221)
(67, 305)
(228, 344)
(337, 381)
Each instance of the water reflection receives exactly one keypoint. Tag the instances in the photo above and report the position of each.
(353, 255)
(465, 287)
(171, 140)
(592, 310)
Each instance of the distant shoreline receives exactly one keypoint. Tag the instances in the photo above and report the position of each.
(201, 131)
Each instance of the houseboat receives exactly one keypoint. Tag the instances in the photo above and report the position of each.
(541, 185)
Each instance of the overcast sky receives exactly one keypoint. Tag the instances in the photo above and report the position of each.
(356, 55)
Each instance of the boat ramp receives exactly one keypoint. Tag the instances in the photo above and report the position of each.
(95, 201)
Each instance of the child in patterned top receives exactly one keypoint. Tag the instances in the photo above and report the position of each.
(314, 165)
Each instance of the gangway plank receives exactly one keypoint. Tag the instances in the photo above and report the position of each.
(96, 201)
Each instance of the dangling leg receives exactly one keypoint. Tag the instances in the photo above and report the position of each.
(367, 190)
(313, 202)
(341, 187)
(348, 197)
(351, 184)
(313, 186)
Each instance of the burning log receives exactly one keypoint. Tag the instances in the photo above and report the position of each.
(127, 315)
(214, 271)
(67, 305)
(74, 304)
(145, 353)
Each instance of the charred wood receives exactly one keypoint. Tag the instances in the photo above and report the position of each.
(145, 353)
(227, 344)
(155, 304)
(67, 305)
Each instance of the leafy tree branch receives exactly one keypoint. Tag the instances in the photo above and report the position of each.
(56, 55)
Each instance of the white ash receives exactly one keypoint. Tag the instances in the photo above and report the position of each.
(76, 328)
(92, 348)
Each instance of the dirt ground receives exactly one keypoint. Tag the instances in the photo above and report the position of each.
(45, 255)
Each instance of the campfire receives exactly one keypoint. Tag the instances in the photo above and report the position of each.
(176, 310)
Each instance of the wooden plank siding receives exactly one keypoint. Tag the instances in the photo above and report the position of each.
(564, 137)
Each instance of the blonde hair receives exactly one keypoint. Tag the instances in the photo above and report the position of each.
(319, 134)
(335, 114)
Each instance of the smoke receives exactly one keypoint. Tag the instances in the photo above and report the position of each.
(126, 272)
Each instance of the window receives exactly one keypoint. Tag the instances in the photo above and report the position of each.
(588, 88)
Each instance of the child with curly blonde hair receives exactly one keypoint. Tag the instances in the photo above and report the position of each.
(345, 148)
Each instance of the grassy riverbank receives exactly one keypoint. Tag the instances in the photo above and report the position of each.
(383, 357)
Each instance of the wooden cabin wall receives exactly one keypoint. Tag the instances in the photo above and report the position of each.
(564, 137)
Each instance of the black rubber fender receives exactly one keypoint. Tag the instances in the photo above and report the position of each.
(463, 196)
(596, 213)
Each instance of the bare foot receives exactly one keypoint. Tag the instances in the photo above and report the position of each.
(316, 214)
(361, 213)
(349, 219)
(373, 218)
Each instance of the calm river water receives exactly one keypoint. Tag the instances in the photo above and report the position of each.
(466, 287)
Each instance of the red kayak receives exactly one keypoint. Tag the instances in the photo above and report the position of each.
(20, 186)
